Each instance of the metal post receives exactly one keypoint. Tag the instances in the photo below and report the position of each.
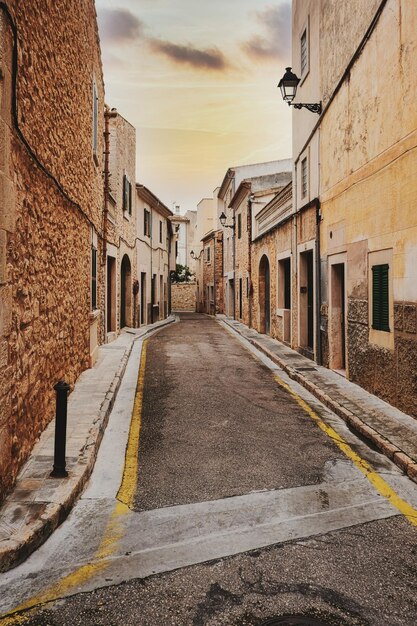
(61, 389)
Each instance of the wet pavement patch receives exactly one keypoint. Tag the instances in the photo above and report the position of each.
(293, 620)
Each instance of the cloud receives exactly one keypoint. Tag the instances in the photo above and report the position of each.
(119, 26)
(208, 59)
(275, 42)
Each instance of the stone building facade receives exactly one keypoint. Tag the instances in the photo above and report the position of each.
(51, 201)
(183, 296)
(121, 303)
(155, 256)
(368, 197)
(273, 272)
(212, 271)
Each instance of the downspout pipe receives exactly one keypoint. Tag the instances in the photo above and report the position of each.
(319, 358)
(108, 114)
(249, 229)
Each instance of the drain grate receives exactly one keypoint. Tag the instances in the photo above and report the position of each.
(306, 369)
(293, 620)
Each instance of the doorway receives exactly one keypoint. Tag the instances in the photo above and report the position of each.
(142, 298)
(125, 292)
(307, 301)
(111, 295)
(337, 317)
(264, 295)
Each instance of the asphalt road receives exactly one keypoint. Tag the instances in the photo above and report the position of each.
(215, 423)
(245, 510)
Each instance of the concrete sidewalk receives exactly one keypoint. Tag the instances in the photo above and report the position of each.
(39, 503)
(394, 433)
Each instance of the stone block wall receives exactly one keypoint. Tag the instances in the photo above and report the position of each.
(183, 296)
(50, 205)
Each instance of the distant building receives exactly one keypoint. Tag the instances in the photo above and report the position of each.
(155, 256)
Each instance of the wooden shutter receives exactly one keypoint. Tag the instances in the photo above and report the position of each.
(380, 297)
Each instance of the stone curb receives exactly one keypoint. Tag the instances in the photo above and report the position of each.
(395, 454)
(32, 535)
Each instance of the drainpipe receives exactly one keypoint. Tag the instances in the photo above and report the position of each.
(107, 115)
(214, 274)
(249, 229)
(234, 265)
(318, 285)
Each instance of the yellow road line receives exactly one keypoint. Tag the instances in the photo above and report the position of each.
(127, 491)
(374, 478)
(115, 528)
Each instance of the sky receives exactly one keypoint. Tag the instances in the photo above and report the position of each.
(198, 79)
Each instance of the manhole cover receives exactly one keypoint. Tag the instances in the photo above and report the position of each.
(293, 620)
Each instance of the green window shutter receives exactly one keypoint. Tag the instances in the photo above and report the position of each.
(380, 297)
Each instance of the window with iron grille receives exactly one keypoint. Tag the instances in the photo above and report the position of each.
(93, 278)
(208, 254)
(304, 52)
(380, 297)
(127, 195)
(146, 223)
(239, 226)
(304, 178)
(160, 232)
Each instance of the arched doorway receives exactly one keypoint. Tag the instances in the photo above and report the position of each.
(264, 295)
(125, 293)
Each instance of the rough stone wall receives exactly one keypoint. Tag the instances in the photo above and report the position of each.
(218, 272)
(208, 276)
(122, 227)
(183, 296)
(271, 244)
(242, 261)
(46, 217)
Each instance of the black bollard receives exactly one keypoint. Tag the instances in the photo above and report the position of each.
(61, 389)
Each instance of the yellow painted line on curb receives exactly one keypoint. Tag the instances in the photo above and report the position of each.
(115, 528)
(127, 491)
(374, 478)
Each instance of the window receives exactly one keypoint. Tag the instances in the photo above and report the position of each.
(239, 226)
(247, 286)
(127, 195)
(95, 118)
(284, 283)
(146, 223)
(208, 254)
(93, 278)
(380, 297)
(160, 231)
(304, 52)
(304, 178)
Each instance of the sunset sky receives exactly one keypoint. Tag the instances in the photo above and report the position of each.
(198, 79)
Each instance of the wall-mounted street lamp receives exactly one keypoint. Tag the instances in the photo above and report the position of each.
(223, 219)
(288, 85)
(194, 256)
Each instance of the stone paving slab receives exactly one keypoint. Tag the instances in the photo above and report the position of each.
(39, 503)
(390, 430)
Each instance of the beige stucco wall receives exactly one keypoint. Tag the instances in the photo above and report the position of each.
(369, 199)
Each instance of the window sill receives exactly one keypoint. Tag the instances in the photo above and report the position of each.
(94, 315)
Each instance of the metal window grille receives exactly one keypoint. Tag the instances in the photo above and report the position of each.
(239, 226)
(304, 178)
(304, 52)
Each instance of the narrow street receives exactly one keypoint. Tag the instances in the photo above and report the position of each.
(251, 503)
